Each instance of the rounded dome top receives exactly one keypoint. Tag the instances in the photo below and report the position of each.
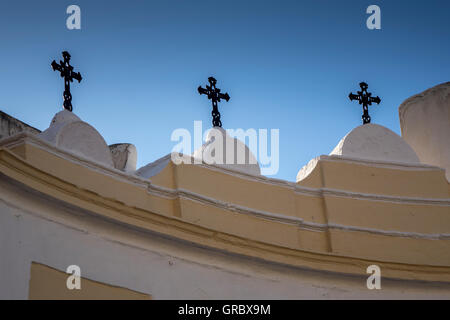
(64, 116)
(67, 131)
(226, 151)
(375, 142)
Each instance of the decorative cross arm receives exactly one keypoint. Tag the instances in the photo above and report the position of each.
(353, 97)
(202, 90)
(225, 96)
(376, 99)
(55, 66)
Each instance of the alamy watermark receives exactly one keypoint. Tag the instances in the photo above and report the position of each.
(74, 20)
(374, 20)
(221, 147)
(374, 280)
(74, 280)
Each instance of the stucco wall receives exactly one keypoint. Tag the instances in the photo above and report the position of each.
(425, 124)
(10, 126)
(34, 227)
(396, 214)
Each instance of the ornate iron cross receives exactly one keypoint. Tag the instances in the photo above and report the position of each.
(67, 73)
(214, 95)
(365, 98)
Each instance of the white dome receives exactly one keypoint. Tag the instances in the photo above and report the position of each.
(375, 142)
(68, 132)
(225, 151)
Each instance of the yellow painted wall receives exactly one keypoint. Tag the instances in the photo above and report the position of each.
(343, 215)
(47, 283)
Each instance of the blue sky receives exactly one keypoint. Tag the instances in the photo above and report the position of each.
(287, 65)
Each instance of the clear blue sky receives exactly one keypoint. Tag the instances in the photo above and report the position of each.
(288, 65)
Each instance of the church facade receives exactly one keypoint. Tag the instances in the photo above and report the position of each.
(370, 220)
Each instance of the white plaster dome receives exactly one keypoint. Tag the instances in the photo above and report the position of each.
(375, 142)
(67, 131)
(231, 153)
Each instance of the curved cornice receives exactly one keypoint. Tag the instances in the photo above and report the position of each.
(173, 226)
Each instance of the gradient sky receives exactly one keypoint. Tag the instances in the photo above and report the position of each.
(288, 65)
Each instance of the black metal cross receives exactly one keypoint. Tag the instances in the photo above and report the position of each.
(365, 98)
(67, 73)
(214, 95)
